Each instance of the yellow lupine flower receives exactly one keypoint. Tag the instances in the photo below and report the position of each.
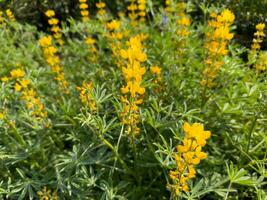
(45, 41)
(2, 116)
(53, 21)
(50, 13)
(4, 79)
(188, 154)
(17, 73)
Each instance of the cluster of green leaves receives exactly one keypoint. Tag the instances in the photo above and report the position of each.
(87, 155)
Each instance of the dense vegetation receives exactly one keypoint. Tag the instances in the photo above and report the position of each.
(131, 100)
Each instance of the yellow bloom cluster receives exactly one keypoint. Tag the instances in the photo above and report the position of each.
(113, 25)
(183, 23)
(50, 55)
(2, 116)
(84, 10)
(101, 8)
(216, 45)
(156, 70)
(183, 20)
(137, 8)
(45, 194)
(10, 15)
(169, 6)
(55, 29)
(2, 19)
(92, 49)
(115, 36)
(86, 95)
(255, 53)
(142, 10)
(132, 91)
(188, 154)
(261, 62)
(259, 36)
(28, 94)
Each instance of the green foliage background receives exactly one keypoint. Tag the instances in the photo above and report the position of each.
(71, 157)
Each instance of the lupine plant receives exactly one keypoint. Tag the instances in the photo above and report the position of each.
(137, 105)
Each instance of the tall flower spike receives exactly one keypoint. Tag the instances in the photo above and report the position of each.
(260, 57)
(142, 10)
(132, 9)
(132, 90)
(216, 45)
(187, 156)
(92, 50)
(53, 60)
(84, 10)
(54, 23)
(101, 9)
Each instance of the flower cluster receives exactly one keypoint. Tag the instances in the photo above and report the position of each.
(55, 29)
(257, 56)
(10, 15)
(93, 55)
(137, 9)
(132, 91)
(142, 10)
(28, 94)
(259, 36)
(84, 10)
(50, 55)
(183, 21)
(115, 36)
(86, 95)
(156, 71)
(188, 154)
(45, 194)
(261, 62)
(169, 6)
(2, 19)
(216, 45)
(101, 8)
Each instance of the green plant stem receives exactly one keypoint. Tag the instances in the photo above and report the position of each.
(15, 133)
(250, 133)
(229, 186)
(114, 150)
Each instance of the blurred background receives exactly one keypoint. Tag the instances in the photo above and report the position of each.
(248, 12)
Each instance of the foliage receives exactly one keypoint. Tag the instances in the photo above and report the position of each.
(63, 130)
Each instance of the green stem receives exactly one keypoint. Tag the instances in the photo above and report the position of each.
(15, 133)
(250, 133)
(114, 150)
(226, 196)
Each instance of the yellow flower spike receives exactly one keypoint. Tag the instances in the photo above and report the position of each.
(55, 29)
(133, 91)
(188, 154)
(53, 60)
(216, 45)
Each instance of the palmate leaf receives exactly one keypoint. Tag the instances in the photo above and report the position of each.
(241, 177)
